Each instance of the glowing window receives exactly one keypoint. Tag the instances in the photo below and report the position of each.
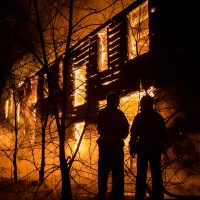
(102, 50)
(80, 86)
(138, 31)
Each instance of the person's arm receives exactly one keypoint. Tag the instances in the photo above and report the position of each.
(99, 122)
(163, 132)
(134, 136)
(125, 126)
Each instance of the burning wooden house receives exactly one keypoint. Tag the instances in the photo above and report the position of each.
(121, 55)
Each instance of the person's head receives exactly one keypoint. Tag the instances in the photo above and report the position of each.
(146, 103)
(112, 99)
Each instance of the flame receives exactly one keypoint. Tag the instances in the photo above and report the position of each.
(102, 50)
(79, 99)
(33, 96)
(18, 112)
(86, 167)
(138, 31)
(80, 84)
(108, 82)
(60, 75)
(20, 84)
(78, 131)
(46, 89)
(6, 108)
(11, 103)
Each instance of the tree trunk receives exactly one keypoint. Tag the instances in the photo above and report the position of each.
(41, 173)
(16, 136)
(65, 173)
(15, 157)
(65, 170)
(65, 176)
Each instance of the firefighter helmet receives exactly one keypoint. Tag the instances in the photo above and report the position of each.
(112, 98)
(146, 102)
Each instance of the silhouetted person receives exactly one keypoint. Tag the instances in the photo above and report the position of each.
(113, 128)
(148, 138)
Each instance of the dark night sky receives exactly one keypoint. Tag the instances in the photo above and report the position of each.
(11, 15)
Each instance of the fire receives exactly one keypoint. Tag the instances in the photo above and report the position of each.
(18, 112)
(79, 99)
(60, 75)
(46, 89)
(84, 170)
(138, 31)
(80, 83)
(102, 50)
(78, 131)
(6, 108)
(108, 82)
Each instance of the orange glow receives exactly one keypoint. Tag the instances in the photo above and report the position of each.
(138, 31)
(60, 75)
(46, 89)
(20, 84)
(79, 84)
(108, 82)
(6, 108)
(84, 172)
(102, 50)
(153, 9)
(18, 112)
(9, 106)
(84, 168)
(78, 131)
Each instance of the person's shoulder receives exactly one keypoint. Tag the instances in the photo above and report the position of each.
(157, 114)
(120, 111)
(139, 113)
(139, 116)
(102, 110)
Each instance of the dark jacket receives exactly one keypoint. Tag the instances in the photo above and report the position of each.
(148, 132)
(112, 126)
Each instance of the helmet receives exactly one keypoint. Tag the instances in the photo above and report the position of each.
(146, 102)
(112, 99)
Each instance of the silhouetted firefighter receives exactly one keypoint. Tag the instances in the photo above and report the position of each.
(113, 128)
(148, 139)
